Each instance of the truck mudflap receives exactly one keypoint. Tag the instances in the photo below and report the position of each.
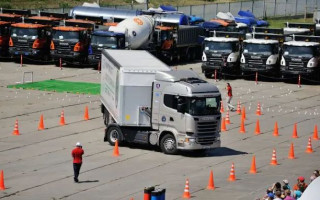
(198, 143)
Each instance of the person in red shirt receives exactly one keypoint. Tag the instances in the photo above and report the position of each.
(77, 160)
(229, 97)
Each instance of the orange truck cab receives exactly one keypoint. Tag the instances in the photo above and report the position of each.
(4, 38)
(70, 43)
(32, 38)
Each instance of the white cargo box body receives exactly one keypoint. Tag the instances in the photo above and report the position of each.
(126, 84)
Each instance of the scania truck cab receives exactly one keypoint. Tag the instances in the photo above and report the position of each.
(145, 102)
(261, 54)
(70, 42)
(222, 53)
(301, 56)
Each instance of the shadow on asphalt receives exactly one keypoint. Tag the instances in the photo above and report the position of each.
(89, 181)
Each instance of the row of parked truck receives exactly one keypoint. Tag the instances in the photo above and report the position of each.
(272, 52)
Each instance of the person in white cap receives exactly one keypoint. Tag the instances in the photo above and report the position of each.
(77, 160)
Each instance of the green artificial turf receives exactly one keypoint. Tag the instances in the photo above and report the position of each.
(61, 86)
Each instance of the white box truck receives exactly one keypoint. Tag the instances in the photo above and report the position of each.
(144, 101)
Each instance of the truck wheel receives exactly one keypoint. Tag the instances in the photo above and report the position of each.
(208, 75)
(168, 144)
(114, 133)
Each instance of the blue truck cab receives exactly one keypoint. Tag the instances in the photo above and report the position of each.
(102, 39)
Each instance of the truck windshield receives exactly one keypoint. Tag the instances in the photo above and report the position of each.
(202, 106)
(260, 48)
(66, 35)
(224, 47)
(104, 41)
(300, 51)
(24, 32)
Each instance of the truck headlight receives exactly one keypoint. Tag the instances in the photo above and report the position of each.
(242, 60)
(283, 61)
(313, 62)
(204, 57)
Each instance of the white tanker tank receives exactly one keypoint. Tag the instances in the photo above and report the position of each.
(138, 31)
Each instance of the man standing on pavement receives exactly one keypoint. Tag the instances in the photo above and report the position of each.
(77, 160)
(229, 97)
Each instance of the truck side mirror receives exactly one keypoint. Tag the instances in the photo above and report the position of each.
(181, 107)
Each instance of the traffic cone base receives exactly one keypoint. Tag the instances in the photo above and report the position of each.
(211, 182)
(253, 169)
(116, 149)
(41, 123)
(2, 187)
(186, 193)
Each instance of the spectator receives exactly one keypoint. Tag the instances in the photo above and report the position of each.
(278, 195)
(287, 195)
(276, 187)
(303, 184)
(316, 173)
(286, 184)
(229, 97)
(297, 193)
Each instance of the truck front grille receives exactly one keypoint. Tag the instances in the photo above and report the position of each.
(215, 61)
(256, 63)
(206, 140)
(208, 128)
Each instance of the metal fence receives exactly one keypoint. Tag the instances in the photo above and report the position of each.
(260, 8)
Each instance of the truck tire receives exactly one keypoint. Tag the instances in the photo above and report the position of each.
(168, 144)
(208, 75)
(114, 133)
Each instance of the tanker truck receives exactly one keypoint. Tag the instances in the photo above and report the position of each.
(143, 101)
(131, 33)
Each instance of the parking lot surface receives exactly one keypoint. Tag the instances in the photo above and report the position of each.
(38, 164)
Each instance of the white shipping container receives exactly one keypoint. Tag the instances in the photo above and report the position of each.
(126, 84)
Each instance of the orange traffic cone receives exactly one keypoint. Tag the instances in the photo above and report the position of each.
(243, 112)
(2, 187)
(211, 182)
(221, 108)
(223, 125)
(232, 176)
(131, 198)
(257, 127)
(275, 131)
(274, 158)
(186, 193)
(258, 112)
(86, 113)
(242, 128)
(294, 133)
(116, 149)
(253, 169)
(16, 129)
(62, 121)
(291, 152)
(315, 133)
(41, 124)
(238, 108)
(227, 117)
(309, 147)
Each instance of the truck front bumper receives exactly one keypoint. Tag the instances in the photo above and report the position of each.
(195, 144)
(70, 56)
(32, 53)
(94, 59)
(286, 71)
(263, 69)
(229, 68)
